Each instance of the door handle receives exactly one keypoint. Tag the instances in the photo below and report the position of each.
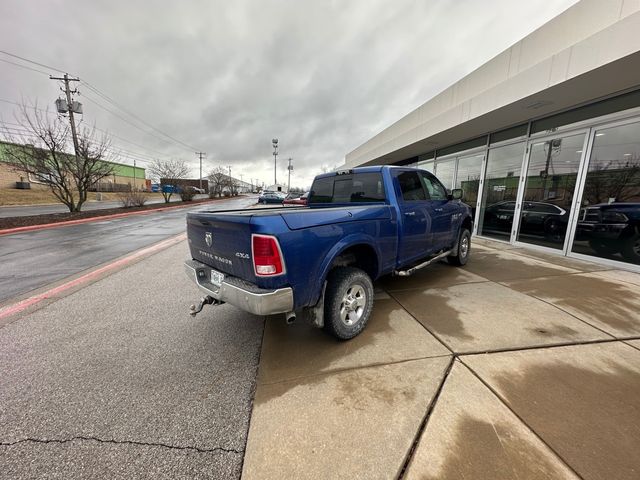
(438, 209)
(409, 214)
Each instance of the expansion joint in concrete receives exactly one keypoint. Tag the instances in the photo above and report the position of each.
(425, 420)
(520, 418)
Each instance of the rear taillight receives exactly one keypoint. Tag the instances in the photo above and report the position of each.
(267, 259)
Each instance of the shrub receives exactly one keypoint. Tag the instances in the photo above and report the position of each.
(187, 194)
(133, 198)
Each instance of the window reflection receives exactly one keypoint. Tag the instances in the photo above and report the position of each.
(549, 189)
(609, 220)
(444, 172)
(500, 191)
(468, 179)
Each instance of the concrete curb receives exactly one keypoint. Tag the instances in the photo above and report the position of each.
(29, 228)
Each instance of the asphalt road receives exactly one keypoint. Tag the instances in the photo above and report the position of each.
(116, 380)
(28, 210)
(31, 260)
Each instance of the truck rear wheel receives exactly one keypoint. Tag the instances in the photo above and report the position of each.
(348, 302)
(463, 248)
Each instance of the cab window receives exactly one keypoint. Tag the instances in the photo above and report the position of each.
(411, 187)
(434, 188)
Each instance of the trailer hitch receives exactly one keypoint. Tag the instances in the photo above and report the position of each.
(206, 300)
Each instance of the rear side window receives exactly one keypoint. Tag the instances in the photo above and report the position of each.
(354, 188)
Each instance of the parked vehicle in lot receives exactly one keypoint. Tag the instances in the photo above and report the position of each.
(270, 197)
(166, 188)
(195, 189)
(611, 228)
(318, 263)
(296, 199)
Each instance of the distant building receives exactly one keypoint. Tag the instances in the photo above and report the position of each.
(278, 187)
(123, 175)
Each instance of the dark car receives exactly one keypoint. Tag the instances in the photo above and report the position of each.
(270, 197)
(296, 199)
(612, 228)
(538, 218)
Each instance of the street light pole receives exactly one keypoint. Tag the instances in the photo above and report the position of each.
(274, 142)
(289, 167)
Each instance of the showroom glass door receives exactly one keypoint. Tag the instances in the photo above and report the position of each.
(500, 191)
(608, 223)
(545, 204)
(468, 176)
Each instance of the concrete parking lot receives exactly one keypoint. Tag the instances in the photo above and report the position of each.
(519, 365)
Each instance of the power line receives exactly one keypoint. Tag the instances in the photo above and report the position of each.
(114, 103)
(32, 61)
(98, 129)
(102, 95)
(92, 100)
(23, 66)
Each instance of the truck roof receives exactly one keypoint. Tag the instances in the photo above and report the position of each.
(369, 169)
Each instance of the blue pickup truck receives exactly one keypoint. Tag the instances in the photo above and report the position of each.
(318, 262)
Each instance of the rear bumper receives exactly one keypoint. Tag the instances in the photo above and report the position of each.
(239, 293)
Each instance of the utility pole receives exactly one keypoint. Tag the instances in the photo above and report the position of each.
(274, 142)
(201, 154)
(289, 167)
(68, 93)
(134, 174)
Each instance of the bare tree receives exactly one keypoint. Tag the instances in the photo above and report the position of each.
(234, 186)
(618, 180)
(168, 172)
(218, 180)
(40, 151)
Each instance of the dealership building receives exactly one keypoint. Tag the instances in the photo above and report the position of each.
(544, 139)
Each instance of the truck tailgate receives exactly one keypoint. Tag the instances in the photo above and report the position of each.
(222, 242)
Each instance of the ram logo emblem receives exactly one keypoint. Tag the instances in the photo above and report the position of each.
(208, 238)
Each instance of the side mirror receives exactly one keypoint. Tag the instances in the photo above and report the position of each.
(456, 194)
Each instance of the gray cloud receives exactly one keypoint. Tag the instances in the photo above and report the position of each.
(226, 77)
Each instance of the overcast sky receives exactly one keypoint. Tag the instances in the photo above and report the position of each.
(227, 77)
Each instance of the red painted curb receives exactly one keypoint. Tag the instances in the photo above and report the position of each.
(43, 226)
(26, 303)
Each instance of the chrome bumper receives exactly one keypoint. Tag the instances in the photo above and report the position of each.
(239, 293)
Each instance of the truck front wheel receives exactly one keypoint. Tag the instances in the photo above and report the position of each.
(348, 302)
(463, 248)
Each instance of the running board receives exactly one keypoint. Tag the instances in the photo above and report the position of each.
(412, 270)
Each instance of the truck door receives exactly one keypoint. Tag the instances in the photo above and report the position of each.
(415, 224)
(441, 210)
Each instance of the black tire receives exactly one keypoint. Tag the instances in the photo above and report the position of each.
(347, 284)
(631, 249)
(463, 249)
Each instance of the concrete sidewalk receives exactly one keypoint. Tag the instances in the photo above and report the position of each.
(520, 365)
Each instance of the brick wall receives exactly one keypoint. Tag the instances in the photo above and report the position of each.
(8, 177)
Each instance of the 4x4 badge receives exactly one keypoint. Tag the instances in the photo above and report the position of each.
(208, 238)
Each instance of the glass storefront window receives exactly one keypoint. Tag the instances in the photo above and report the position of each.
(608, 224)
(549, 189)
(444, 172)
(428, 166)
(500, 191)
(468, 179)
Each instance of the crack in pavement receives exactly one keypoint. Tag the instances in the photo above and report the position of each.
(121, 442)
